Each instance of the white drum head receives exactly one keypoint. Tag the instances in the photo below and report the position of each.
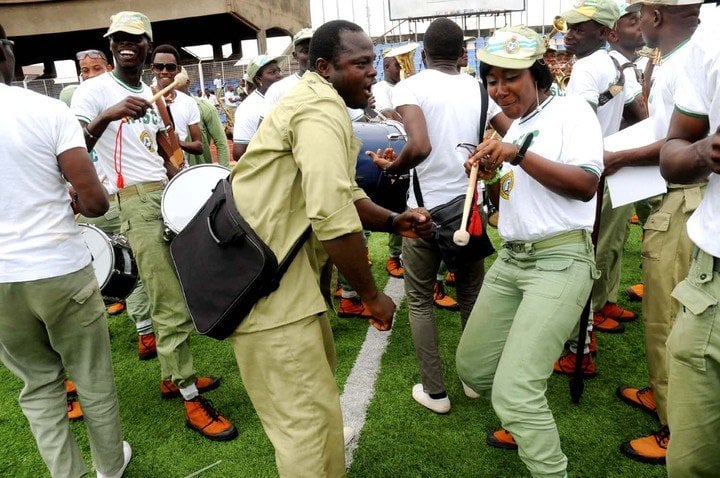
(187, 192)
(101, 250)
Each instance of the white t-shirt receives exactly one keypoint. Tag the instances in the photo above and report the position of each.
(699, 94)
(661, 100)
(566, 131)
(247, 117)
(38, 235)
(277, 90)
(185, 112)
(451, 105)
(140, 161)
(632, 87)
(231, 98)
(591, 76)
(383, 96)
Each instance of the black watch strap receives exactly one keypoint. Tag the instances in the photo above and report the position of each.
(523, 149)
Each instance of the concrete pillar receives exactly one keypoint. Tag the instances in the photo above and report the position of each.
(262, 42)
(217, 51)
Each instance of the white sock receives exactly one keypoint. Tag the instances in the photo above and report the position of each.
(190, 392)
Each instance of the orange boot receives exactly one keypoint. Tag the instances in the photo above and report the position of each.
(566, 365)
(442, 300)
(201, 416)
(642, 398)
(501, 439)
(74, 411)
(147, 348)
(650, 449)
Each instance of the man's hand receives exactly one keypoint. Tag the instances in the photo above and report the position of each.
(710, 151)
(414, 223)
(382, 159)
(130, 107)
(382, 308)
(612, 162)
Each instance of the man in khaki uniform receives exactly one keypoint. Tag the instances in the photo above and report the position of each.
(666, 248)
(299, 171)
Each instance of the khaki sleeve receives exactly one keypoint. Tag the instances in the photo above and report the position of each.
(321, 138)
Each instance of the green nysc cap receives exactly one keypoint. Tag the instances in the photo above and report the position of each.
(134, 23)
(257, 64)
(605, 12)
(512, 47)
(302, 35)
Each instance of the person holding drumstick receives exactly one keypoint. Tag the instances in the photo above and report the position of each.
(533, 294)
(123, 128)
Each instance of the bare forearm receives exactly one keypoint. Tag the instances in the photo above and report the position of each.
(192, 147)
(347, 253)
(682, 161)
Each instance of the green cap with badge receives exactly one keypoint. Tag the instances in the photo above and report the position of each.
(512, 47)
(304, 34)
(257, 64)
(134, 23)
(604, 12)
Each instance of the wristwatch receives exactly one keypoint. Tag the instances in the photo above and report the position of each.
(523, 149)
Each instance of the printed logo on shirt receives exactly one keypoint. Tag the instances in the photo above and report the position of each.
(147, 141)
(506, 184)
(151, 117)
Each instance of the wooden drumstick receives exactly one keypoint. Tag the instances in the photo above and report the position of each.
(461, 237)
(180, 79)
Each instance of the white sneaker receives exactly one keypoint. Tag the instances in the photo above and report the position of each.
(437, 405)
(469, 392)
(348, 435)
(127, 454)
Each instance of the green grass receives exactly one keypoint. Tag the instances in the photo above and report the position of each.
(400, 438)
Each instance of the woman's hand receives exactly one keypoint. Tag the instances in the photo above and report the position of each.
(490, 154)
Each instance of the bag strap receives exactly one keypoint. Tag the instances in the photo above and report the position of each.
(616, 88)
(297, 245)
(481, 136)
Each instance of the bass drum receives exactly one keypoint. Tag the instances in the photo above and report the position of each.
(187, 192)
(112, 261)
(388, 193)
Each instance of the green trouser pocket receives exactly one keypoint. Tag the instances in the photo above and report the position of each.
(689, 339)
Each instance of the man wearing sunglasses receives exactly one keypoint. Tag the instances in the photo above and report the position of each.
(123, 127)
(184, 112)
(51, 313)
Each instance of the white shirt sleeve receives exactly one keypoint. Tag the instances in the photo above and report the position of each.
(582, 83)
(582, 137)
(83, 104)
(69, 135)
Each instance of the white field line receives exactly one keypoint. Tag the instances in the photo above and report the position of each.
(360, 384)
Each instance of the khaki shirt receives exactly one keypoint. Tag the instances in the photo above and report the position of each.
(299, 170)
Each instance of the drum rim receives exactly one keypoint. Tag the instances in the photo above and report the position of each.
(167, 224)
(108, 242)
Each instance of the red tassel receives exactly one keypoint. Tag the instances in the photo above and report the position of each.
(120, 181)
(475, 225)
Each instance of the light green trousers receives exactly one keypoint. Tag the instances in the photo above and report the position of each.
(614, 229)
(143, 226)
(666, 254)
(48, 327)
(288, 373)
(694, 373)
(529, 303)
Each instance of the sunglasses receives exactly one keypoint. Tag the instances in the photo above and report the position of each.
(94, 54)
(164, 66)
(6, 42)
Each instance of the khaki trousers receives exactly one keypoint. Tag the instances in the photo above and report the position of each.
(49, 327)
(143, 226)
(694, 373)
(289, 375)
(666, 254)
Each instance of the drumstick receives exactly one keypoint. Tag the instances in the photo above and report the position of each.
(461, 237)
(180, 79)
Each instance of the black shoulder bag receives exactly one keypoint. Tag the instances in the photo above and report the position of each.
(223, 266)
(447, 218)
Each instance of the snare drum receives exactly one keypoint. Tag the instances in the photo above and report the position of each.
(187, 192)
(391, 194)
(113, 262)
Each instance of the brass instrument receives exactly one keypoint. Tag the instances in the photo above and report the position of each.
(404, 55)
(654, 54)
(559, 26)
(562, 81)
